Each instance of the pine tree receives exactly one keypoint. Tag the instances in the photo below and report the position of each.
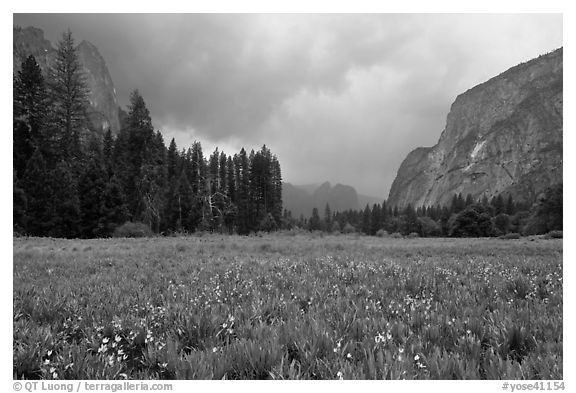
(328, 218)
(375, 219)
(108, 152)
(133, 149)
(20, 203)
(366, 220)
(91, 189)
(183, 204)
(30, 108)
(276, 188)
(37, 185)
(230, 180)
(172, 161)
(510, 208)
(222, 179)
(69, 93)
(114, 211)
(242, 167)
(314, 224)
(66, 204)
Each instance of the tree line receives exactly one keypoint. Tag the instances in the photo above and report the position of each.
(463, 217)
(71, 181)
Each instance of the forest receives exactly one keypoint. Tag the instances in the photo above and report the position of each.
(71, 181)
(464, 217)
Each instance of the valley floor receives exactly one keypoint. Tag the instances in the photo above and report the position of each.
(287, 307)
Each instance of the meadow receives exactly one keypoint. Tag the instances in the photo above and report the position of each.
(287, 307)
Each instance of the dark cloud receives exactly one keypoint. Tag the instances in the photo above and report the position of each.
(338, 97)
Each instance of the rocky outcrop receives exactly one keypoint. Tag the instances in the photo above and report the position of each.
(502, 136)
(31, 41)
(104, 110)
(103, 101)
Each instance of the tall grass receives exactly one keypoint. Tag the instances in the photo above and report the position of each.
(287, 307)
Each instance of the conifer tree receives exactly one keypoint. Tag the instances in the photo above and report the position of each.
(114, 211)
(66, 204)
(91, 190)
(20, 202)
(37, 185)
(375, 220)
(314, 223)
(328, 218)
(69, 93)
(30, 108)
(366, 220)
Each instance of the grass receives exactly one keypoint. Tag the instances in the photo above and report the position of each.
(287, 307)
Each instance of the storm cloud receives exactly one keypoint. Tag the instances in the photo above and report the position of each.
(339, 97)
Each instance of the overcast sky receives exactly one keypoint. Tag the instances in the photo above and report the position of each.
(338, 97)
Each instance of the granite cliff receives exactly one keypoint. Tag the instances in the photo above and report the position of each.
(104, 110)
(502, 136)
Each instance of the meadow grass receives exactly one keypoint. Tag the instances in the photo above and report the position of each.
(287, 307)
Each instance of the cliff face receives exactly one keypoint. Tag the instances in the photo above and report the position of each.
(103, 101)
(103, 111)
(504, 135)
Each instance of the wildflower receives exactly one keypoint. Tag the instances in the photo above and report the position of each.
(401, 350)
(214, 350)
(349, 356)
(105, 340)
(340, 375)
(417, 357)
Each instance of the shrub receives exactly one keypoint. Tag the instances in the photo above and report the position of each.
(413, 235)
(133, 229)
(428, 227)
(546, 214)
(348, 228)
(554, 235)
(268, 223)
(511, 235)
(382, 233)
(474, 221)
(396, 235)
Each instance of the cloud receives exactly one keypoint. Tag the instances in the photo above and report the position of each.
(338, 97)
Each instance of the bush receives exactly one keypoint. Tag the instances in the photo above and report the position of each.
(268, 223)
(511, 235)
(396, 235)
(348, 228)
(133, 229)
(428, 227)
(413, 235)
(546, 214)
(554, 235)
(382, 233)
(474, 221)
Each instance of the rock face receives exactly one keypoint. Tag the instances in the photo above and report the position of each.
(502, 136)
(104, 109)
(103, 101)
